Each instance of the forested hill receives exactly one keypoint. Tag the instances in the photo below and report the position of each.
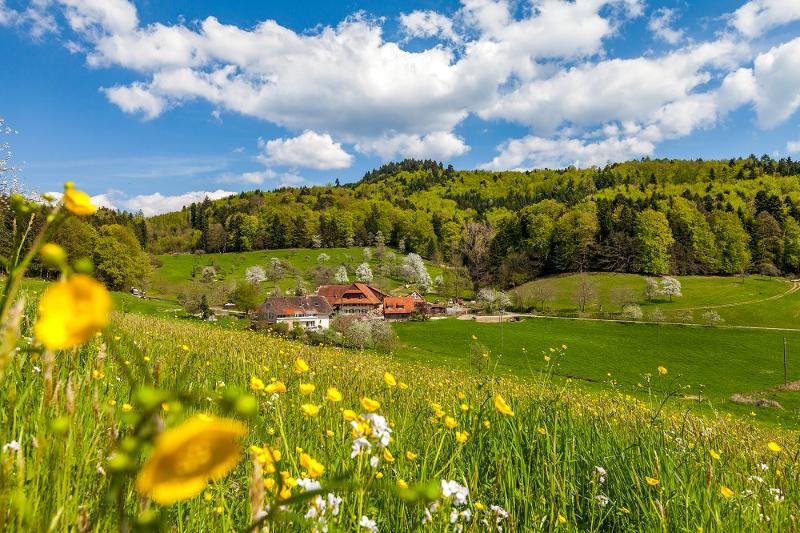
(651, 216)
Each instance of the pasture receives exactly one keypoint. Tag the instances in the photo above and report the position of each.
(714, 363)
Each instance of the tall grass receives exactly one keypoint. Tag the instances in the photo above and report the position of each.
(567, 460)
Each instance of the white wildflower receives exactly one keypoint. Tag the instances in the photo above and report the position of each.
(459, 493)
(602, 500)
(366, 523)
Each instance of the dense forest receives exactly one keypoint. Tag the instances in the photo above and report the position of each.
(504, 228)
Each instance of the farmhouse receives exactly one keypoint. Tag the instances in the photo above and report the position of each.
(353, 299)
(398, 307)
(309, 312)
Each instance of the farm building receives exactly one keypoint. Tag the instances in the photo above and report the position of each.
(309, 312)
(398, 307)
(353, 299)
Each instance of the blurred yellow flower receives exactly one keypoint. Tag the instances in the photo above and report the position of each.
(71, 312)
(333, 395)
(77, 202)
(127, 408)
(387, 456)
(461, 437)
(53, 255)
(389, 379)
(401, 484)
(487, 424)
(774, 447)
(713, 453)
(501, 405)
(207, 496)
(312, 466)
(410, 456)
(728, 493)
(300, 366)
(186, 457)
(479, 506)
(450, 422)
(349, 415)
(309, 409)
(256, 384)
(275, 387)
(369, 404)
(98, 374)
(662, 370)
(651, 481)
(561, 519)
(307, 388)
(378, 475)
(402, 386)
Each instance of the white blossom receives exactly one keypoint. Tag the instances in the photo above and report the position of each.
(602, 500)
(13, 445)
(452, 489)
(366, 523)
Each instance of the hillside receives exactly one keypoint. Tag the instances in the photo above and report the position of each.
(505, 228)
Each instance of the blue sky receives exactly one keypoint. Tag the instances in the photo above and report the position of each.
(149, 105)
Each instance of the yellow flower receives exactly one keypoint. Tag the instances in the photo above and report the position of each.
(349, 415)
(410, 456)
(307, 388)
(389, 380)
(219, 509)
(561, 519)
(728, 493)
(464, 407)
(401, 484)
(186, 457)
(333, 395)
(165, 407)
(387, 456)
(402, 386)
(53, 254)
(71, 312)
(501, 405)
(713, 453)
(98, 374)
(461, 437)
(651, 481)
(486, 424)
(378, 475)
(312, 466)
(208, 496)
(275, 387)
(547, 358)
(309, 409)
(662, 370)
(256, 384)
(479, 506)
(329, 433)
(77, 202)
(370, 404)
(127, 408)
(450, 422)
(774, 447)
(300, 366)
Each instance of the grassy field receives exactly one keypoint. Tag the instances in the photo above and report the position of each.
(753, 301)
(714, 362)
(177, 269)
(83, 423)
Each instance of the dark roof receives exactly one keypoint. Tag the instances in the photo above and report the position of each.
(290, 305)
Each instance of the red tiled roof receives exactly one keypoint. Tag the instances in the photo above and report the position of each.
(398, 305)
(354, 294)
(287, 306)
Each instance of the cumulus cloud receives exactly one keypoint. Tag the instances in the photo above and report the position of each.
(35, 19)
(156, 203)
(136, 98)
(309, 150)
(777, 79)
(793, 147)
(661, 25)
(436, 145)
(758, 16)
(428, 24)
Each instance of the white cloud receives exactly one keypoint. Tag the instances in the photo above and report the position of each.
(661, 25)
(437, 145)
(758, 16)
(35, 19)
(793, 147)
(156, 203)
(538, 152)
(428, 24)
(110, 16)
(136, 98)
(777, 77)
(256, 177)
(309, 150)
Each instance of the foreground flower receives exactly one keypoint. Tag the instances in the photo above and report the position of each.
(71, 312)
(307, 388)
(774, 447)
(187, 457)
(77, 202)
(333, 395)
(300, 366)
(651, 481)
(309, 409)
(276, 387)
(389, 380)
(501, 405)
(256, 384)
(369, 404)
(312, 466)
(728, 493)
(662, 370)
(462, 437)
